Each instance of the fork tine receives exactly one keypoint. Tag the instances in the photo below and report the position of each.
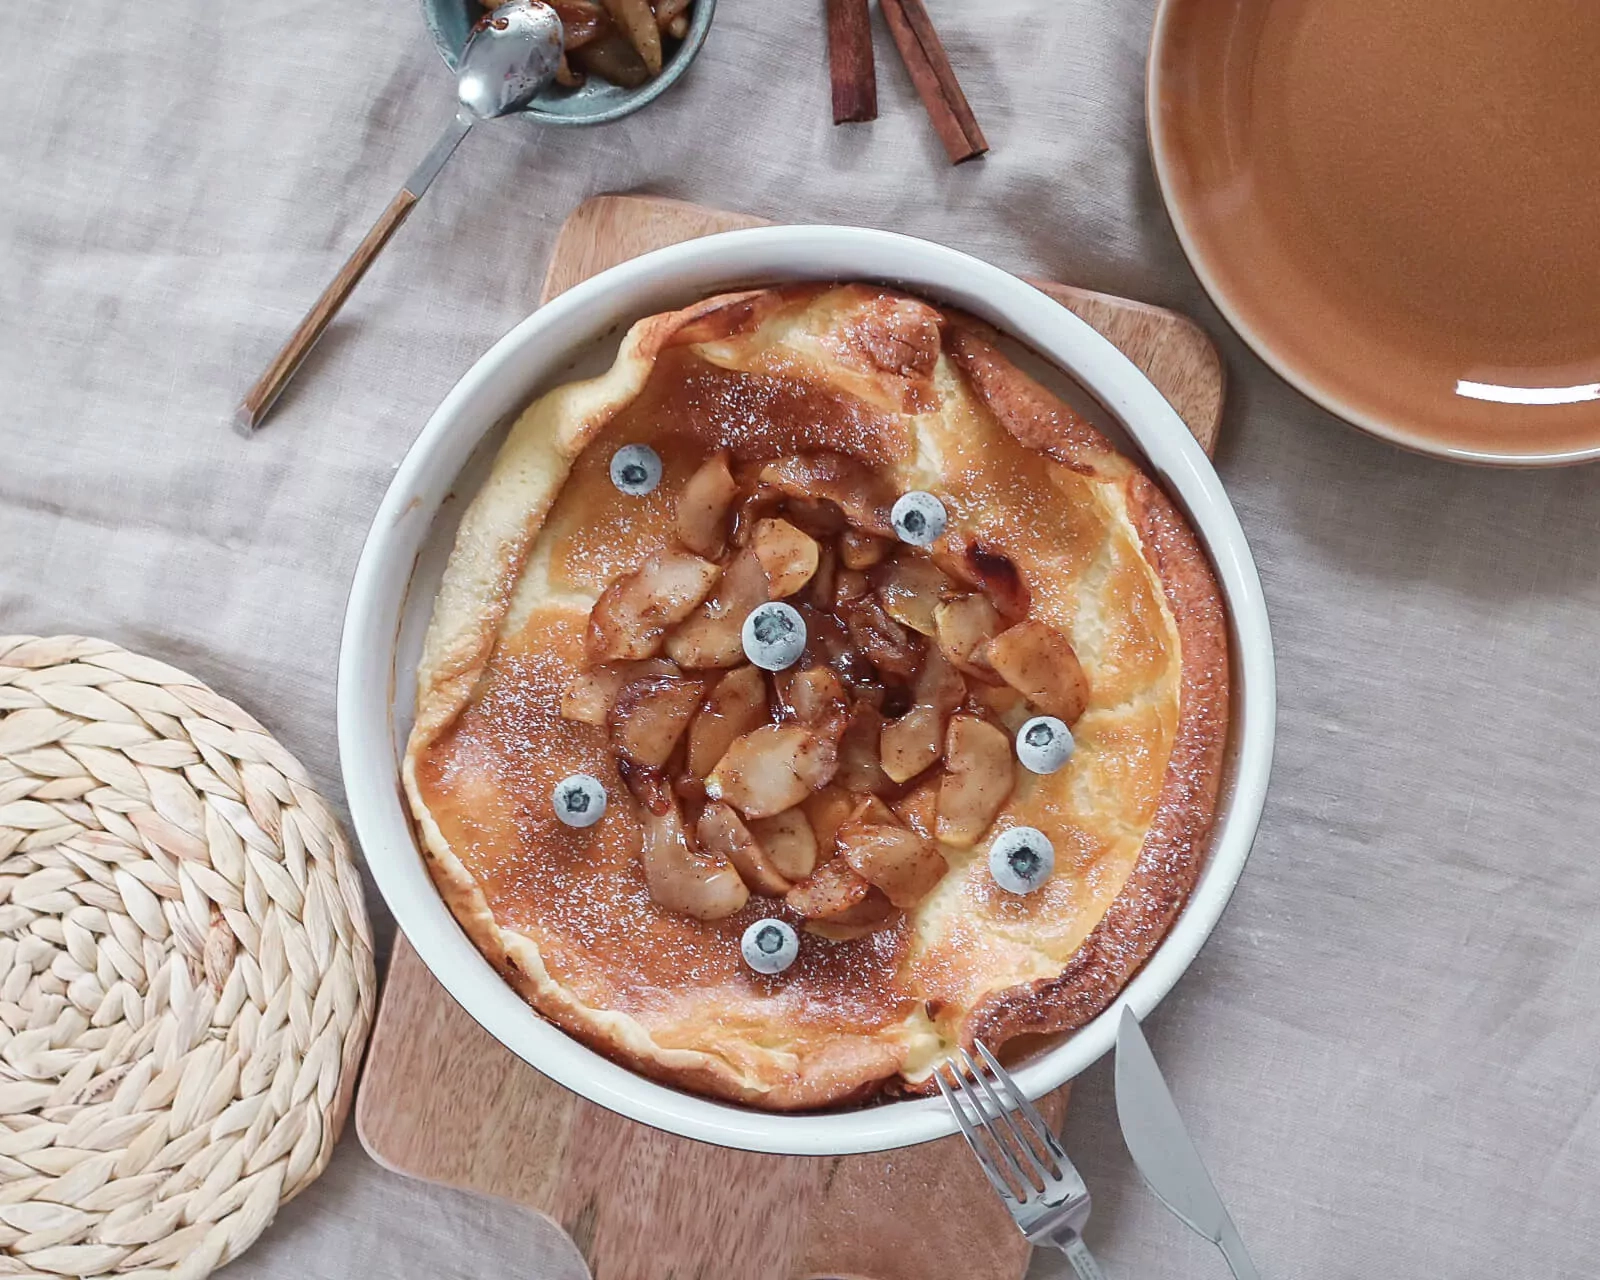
(1052, 1143)
(1004, 1115)
(1001, 1158)
(1023, 1188)
(995, 1180)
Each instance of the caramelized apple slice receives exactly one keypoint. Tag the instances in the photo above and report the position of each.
(872, 915)
(827, 640)
(1039, 663)
(650, 715)
(736, 706)
(914, 741)
(839, 904)
(819, 591)
(722, 833)
(589, 697)
(872, 811)
(788, 556)
(703, 507)
(978, 776)
(821, 519)
(979, 568)
(848, 585)
(834, 891)
(888, 645)
(751, 508)
(678, 878)
(789, 843)
(680, 881)
(918, 808)
(860, 765)
(711, 637)
(899, 862)
(772, 769)
(879, 912)
(860, 550)
(962, 628)
(1003, 703)
(633, 613)
(1002, 581)
(911, 588)
(827, 811)
(815, 698)
(863, 497)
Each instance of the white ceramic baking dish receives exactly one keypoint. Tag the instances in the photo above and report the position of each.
(575, 334)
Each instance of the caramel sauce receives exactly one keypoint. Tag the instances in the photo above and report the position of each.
(1400, 197)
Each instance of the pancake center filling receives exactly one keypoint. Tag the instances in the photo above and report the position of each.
(795, 596)
(812, 693)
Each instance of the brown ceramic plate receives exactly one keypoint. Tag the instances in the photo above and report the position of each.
(1397, 204)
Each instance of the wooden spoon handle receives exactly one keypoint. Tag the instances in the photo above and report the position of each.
(259, 399)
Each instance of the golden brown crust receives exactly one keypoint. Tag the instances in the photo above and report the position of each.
(1175, 846)
(880, 361)
(1038, 419)
(493, 541)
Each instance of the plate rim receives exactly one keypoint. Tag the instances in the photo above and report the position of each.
(1379, 428)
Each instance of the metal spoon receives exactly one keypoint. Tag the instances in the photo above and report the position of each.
(511, 56)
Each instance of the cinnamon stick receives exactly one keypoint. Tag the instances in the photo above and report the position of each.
(855, 82)
(923, 53)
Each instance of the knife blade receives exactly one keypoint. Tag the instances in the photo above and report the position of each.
(1161, 1147)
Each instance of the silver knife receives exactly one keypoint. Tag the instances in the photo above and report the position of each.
(1163, 1150)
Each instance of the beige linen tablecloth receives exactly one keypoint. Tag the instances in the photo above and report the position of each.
(1390, 1049)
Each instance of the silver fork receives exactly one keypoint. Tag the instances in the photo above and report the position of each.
(1023, 1160)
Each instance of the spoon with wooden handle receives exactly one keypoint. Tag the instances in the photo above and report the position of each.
(511, 56)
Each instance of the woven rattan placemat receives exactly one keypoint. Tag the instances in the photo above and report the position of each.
(186, 974)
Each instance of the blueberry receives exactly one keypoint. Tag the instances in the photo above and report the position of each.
(770, 946)
(636, 469)
(919, 518)
(580, 801)
(1021, 859)
(1044, 744)
(774, 636)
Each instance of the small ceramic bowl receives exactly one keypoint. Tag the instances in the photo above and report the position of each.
(597, 101)
(576, 335)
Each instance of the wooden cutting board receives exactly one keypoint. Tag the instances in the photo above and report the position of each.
(442, 1100)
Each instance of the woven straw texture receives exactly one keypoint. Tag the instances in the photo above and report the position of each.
(186, 972)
